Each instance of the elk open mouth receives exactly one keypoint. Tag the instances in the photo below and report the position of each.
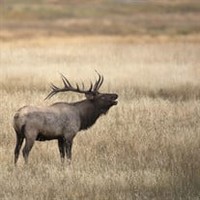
(114, 100)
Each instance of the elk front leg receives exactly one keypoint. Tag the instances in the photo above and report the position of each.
(61, 146)
(68, 145)
(69, 136)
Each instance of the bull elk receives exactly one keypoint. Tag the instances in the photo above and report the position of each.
(61, 121)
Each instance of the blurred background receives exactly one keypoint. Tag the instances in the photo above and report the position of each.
(152, 18)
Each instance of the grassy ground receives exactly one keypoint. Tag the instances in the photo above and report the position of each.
(147, 147)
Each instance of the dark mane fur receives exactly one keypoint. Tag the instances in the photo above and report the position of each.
(88, 113)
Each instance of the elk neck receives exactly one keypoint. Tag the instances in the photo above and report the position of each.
(89, 113)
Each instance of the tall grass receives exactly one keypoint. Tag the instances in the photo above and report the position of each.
(147, 147)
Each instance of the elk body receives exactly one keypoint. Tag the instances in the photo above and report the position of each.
(60, 121)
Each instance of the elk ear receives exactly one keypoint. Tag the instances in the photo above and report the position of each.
(90, 96)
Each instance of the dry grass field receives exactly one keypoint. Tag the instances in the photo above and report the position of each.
(147, 147)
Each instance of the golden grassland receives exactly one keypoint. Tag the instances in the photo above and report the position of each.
(147, 147)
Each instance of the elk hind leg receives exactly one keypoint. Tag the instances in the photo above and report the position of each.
(19, 141)
(30, 139)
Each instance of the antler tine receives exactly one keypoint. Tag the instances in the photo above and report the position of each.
(101, 82)
(97, 83)
(65, 81)
(53, 87)
(69, 87)
(77, 87)
(83, 86)
(91, 86)
(50, 95)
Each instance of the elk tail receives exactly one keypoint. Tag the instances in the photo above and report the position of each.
(20, 131)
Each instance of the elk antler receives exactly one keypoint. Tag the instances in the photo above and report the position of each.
(68, 87)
